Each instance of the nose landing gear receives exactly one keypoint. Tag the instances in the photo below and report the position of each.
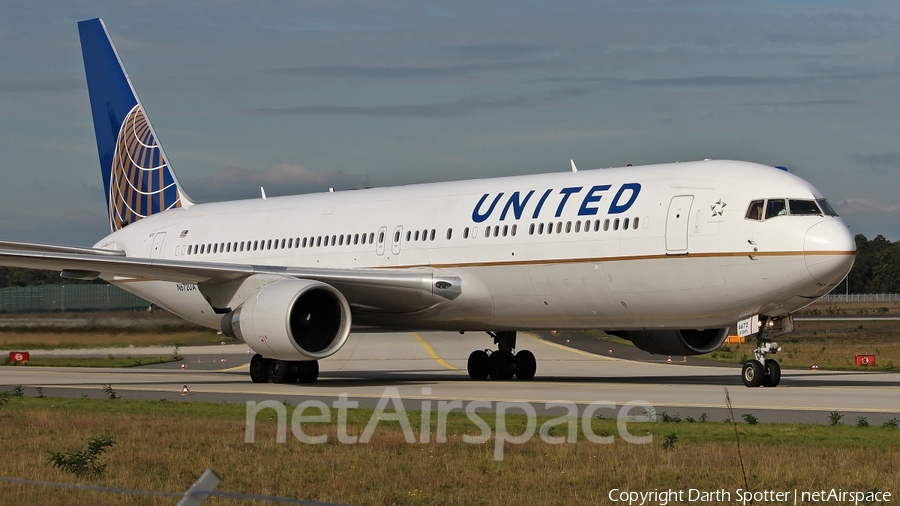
(762, 371)
(503, 363)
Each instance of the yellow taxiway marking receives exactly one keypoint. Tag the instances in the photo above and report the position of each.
(431, 352)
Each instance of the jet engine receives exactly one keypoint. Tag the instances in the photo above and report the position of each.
(294, 319)
(674, 341)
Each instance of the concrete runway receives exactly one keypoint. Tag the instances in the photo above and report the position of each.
(431, 366)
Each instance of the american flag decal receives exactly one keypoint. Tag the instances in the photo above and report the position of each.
(183, 234)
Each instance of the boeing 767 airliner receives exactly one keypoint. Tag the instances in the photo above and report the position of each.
(668, 256)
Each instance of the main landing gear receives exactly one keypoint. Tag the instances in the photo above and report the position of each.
(504, 362)
(263, 370)
(762, 371)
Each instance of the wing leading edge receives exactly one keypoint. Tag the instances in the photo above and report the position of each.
(375, 290)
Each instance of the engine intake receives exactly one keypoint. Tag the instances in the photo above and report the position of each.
(294, 319)
(675, 342)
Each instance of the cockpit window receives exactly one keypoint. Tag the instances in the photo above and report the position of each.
(826, 208)
(804, 207)
(755, 211)
(775, 207)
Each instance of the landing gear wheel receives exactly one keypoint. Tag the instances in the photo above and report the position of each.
(503, 365)
(259, 369)
(773, 374)
(309, 371)
(526, 365)
(282, 371)
(752, 374)
(479, 365)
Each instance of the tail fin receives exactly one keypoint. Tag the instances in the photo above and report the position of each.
(136, 173)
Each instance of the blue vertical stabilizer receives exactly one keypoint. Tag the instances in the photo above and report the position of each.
(137, 178)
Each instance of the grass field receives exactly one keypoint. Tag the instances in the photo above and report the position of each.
(165, 446)
(42, 340)
(93, 361)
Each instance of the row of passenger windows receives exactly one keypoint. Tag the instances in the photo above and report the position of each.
(417, 235)
(764, 209)
(579, 226)
(274, 244)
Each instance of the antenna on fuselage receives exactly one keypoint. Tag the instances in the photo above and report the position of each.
(574, 169)
(263, 192)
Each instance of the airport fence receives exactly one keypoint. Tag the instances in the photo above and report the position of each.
(862, 297)
(59, 298)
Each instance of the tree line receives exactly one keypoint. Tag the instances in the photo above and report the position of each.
(877, 270)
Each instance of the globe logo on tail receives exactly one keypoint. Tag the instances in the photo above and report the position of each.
(140, 182)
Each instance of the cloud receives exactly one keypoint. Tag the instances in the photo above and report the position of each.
(76, 227)
(42, 85)
(879, 162)
(870, 217)
(802, 103)
(400, 72)
(501, 51)
(719, 81)
(461, 106)
(285, 179)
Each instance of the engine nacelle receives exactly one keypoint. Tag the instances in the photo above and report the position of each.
(674, 341)
(294, 319)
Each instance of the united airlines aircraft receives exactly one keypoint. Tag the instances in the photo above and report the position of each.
(667, 256)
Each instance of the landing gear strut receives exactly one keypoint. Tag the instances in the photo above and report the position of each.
(762, 371)
(263, 370)
(504, 362)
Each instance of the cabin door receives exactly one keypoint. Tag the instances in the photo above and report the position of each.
(677, 224)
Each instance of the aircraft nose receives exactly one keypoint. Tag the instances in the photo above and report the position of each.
(829, 250)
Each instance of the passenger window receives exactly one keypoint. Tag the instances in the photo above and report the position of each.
(466, 233)
(531, 229)
(606, 224)
(514, 227)
(319, 241)
(408, 235)
(380, 237)
(568, 226)
(341, 240)
(559, 228)
(596, 225)
(636, 222)
(625, 224)
(541, 229)
(496, 230)
(356, 239)
(449, 233)
(755, 210)
(505, 230)
(372, 237)
(397, 236)
(775, 207)
(804, 207)
(304, 242)
(616, 224)
(487, 231)
(431, 236)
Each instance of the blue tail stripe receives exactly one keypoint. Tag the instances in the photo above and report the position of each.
(109, 91)
(137, 179)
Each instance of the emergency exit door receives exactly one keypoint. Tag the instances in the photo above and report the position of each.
(677, 224)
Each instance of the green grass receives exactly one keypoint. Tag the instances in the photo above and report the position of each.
(165, 446)
(78, 339)
(772, 434)
(95, 361)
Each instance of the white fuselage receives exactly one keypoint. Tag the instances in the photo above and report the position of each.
(688, 257)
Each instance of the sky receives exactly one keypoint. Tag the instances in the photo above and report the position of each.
(302, 96)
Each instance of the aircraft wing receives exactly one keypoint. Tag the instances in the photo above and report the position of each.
(380, 290)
